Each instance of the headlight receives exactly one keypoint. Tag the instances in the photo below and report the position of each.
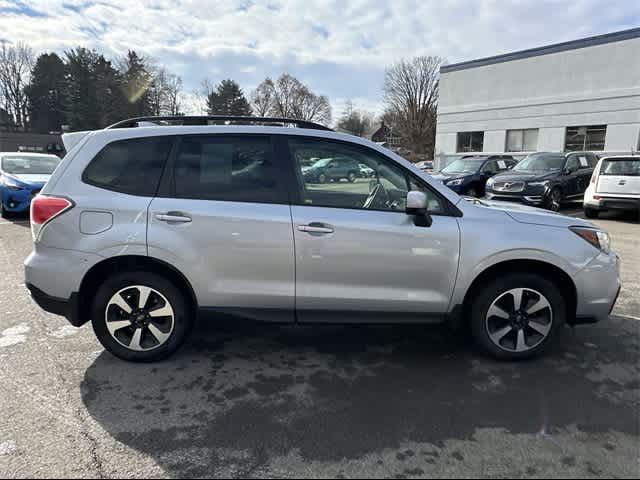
(11, 185)
(490, 182)
(598, 238)
(454, 183)
(538, 184)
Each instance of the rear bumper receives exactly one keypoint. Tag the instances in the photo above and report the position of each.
(54, 276)
(68, 308)
(614, 203)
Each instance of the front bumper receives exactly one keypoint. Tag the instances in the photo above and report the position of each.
(534, 200)
(18, 201)
(598, 286)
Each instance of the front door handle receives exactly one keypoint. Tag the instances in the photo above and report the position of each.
(173, 217)
(316, 227)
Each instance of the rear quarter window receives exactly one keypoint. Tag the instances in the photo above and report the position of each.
(131, 166)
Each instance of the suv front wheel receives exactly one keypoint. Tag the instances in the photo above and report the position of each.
(140, 316)
(517, 316)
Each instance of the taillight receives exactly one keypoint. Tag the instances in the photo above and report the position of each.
(44, 209)
(594, 177)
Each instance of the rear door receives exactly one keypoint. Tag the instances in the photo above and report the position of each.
(579, 175)
(223, 219)
(586, 164)
(620, 176)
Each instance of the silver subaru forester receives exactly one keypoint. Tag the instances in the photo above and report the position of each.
(152, 223)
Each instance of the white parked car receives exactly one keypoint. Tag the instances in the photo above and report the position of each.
(615, 185)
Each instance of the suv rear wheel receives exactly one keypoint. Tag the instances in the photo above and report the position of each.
(140, 316)
(591, 213)
(517, 316)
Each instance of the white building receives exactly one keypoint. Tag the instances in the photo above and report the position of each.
(579, 95)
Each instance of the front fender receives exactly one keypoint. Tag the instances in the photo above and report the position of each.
(466, 277)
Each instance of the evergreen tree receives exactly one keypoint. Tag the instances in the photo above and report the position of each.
(46, 94)
(82, 104)
(109, 89)
(228, 99)
(137, 80)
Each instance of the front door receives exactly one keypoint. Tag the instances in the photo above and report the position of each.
(359, 256)
(223, 219)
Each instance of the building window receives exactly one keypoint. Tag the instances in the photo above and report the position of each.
(585, 138)
(522, 140)
(470, 142)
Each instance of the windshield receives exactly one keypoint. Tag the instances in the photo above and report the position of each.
(628, 167)
(463, 165)
(541, 163)
(30, 165)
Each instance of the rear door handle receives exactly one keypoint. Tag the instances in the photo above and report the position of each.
(173, 217)
(316, 228)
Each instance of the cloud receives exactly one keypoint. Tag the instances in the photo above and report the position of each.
(339, 48)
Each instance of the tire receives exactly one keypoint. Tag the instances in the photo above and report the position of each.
(554, 200)
(5, 214)
(322, 178)
(489, 330)
(175, 328)
(352, 177)
(591, 213)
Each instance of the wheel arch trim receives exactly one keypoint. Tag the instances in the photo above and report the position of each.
(99, 271)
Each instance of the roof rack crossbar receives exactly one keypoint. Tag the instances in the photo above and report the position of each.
(217, 119)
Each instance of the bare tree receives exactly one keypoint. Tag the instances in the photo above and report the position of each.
(262, 98)
(165, 92)
(411, 97)
(174, 92)
(354, 121)
(16, 64)
(288, 97)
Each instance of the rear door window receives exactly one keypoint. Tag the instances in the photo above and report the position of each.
(228, 168)
(131, 166)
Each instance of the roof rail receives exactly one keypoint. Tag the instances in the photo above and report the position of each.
(217, 119)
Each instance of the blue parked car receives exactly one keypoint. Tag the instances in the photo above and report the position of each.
(22, 176)
(468, 175)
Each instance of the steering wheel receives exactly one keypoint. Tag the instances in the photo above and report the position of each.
(377, 191)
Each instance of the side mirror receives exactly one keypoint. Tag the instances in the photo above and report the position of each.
(417, 206)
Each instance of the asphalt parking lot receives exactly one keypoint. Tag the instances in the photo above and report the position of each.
(255, 401)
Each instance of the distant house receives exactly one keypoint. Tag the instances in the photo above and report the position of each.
(31, 142)
(385, 136)
(13, 140)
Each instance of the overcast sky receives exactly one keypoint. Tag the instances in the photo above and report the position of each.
(339, 48)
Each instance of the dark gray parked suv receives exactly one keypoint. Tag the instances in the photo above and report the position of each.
(332, 169)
